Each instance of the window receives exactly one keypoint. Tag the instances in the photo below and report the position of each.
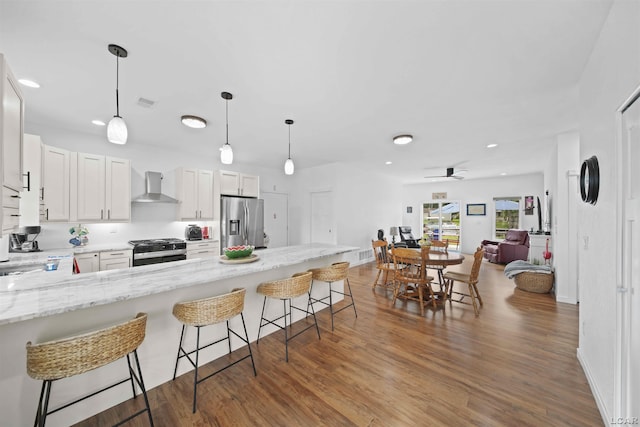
(441, 221)
(507, 215)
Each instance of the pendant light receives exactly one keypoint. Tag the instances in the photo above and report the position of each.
(117, 128)
(226, 153)
(288, 165)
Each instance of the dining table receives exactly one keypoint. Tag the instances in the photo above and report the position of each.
(427, 258)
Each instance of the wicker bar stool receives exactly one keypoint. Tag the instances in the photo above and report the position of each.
(205, 312)
(286, 289)
(55, 360)
(334, 273)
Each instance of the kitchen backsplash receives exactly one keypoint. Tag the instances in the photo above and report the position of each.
(148, 221)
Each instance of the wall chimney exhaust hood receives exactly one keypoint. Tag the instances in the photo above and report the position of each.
(153, 190)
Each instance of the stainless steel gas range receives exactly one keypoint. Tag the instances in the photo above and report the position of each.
(154, 251)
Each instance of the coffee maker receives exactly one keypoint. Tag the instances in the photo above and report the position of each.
(25, 239)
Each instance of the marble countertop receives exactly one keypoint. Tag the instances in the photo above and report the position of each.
(47, 293)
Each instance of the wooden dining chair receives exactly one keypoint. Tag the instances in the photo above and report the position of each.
(470, 279)
(384, 265)
(439, 246)
(411, 280)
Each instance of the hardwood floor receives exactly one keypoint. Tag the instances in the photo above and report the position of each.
(515, 364)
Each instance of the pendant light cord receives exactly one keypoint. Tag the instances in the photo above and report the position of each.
(289, 141)
(227, 110)
(117, 85)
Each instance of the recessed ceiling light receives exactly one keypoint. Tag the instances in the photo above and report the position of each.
(492, 145)
(402, 139)
(193, 122)
(388, 163)
(98, 122)
(29, 83)
(503, 173)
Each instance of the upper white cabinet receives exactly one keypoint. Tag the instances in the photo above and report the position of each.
(103, 188)
(12, 128)
(195, 192)
(55, 184)
(239, 184)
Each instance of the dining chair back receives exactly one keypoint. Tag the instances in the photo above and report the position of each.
(411, 279)
(384, 265)
(470, 279)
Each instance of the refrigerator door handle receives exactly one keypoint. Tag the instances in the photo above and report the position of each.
(246, 223)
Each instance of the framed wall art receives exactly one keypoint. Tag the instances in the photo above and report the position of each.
(476, 209)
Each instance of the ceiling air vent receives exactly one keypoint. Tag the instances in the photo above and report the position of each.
(146, 103)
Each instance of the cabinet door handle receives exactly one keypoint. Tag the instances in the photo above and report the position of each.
(47, 213)
(108, 213)
(116, 253)
(28, 175)
(15, 215)
(41, 193)
(15, 196)
(101, 213)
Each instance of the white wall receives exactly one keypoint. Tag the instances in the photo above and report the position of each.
(474, 228)
(364, 201)
(610, 76)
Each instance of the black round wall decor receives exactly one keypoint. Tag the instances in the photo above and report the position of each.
(590, 180)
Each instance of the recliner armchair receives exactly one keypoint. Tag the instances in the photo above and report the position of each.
(514, 246)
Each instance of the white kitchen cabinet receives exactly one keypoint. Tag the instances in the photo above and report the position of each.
(195, 192)
(88, 262)
(114, 260)
(32, 167)
(203, 249)
(54, 193)
(103, 188)
(239, 184)
(12, 128)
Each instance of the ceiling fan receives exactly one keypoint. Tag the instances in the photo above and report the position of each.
(451, 173)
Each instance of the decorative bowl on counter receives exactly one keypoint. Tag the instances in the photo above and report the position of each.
(238, 251)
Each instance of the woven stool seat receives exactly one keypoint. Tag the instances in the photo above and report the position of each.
(209, 311)
(334, 273)
(55, 360)
(285, 290)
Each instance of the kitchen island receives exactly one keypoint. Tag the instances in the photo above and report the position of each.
(36, 307)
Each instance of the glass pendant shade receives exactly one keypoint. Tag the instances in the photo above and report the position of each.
(226, 154)
(117, 131)
(288, 167)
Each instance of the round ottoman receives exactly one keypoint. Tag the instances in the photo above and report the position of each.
(540, 283)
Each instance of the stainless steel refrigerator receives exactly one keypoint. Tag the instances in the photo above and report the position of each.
(241, 222)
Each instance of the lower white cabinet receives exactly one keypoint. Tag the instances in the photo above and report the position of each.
(203, 249)
(100, 261)
(115, 260)
(88, 262)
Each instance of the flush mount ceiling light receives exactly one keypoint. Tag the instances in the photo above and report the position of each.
(194, 122)
(288, 165)
(402, 139)
(117, 128)
(226, 153)
(492, 145)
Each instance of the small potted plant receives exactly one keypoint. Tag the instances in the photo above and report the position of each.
(79, 234)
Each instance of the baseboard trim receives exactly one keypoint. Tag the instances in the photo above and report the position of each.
(566, 300)
(594, 388)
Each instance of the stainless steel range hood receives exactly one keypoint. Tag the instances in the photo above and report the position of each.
(153, 190)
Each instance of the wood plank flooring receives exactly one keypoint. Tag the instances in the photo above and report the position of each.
(515, 364)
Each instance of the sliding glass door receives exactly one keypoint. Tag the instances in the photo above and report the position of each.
(441, 221)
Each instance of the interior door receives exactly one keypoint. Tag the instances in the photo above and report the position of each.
(276, 219)
(322, 221)
(631, 261)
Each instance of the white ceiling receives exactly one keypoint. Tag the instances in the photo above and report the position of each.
(456, 74)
